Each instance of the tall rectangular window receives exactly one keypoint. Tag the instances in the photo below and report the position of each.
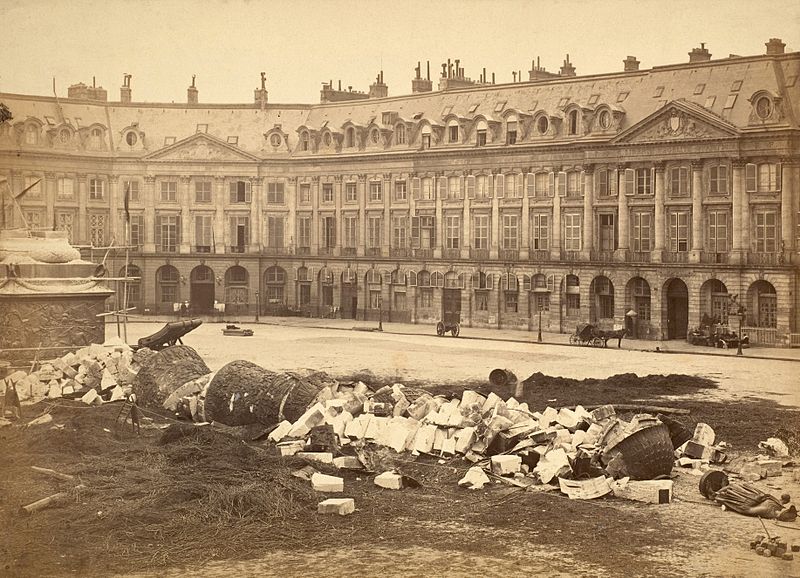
(481, 137)
(679, 231)
(97, 189)
(329, 232)
(350, 192)
(203, 233)
(540, 232)
(350, 224)
(327, 192)
(642, 232)
(454, 188)
(400, 191)
(441, 187)
(718, 184)
(167, 233)
(66, 188)
(482, 185)
(399, 232)
(510, 231)
(305, 193)
(239, 191)
(304, 232)
(423, 232)
(644, 182)
(35, 182)
(542, 186)
(511, 132)
(608, 231)
(275, 231)
(601, 183)
(376, 190)
(169, 191)
(574, 184)
(202, 192)
(452, 231)
(64, 222)
(428, 192)
(717, 231)
(480, 232)
(137, 230)
(679, 181)
(766, 231)
(240, 232)
(767, 177)
(275, 193)
(453, 133)
(572, 232)
(374, 231)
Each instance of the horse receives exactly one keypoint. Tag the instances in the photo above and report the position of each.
(617, 333)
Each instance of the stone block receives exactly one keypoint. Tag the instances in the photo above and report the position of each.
(107, 381)
(469, 398)
(423, 440)
(54, 389)
(313, 417)
(280, 432)
(376, 427)
(118, 393)
(449, 446)
(389, 480)
(341, 506)
(464, 439)
(321, 457)
(348, 463)
(491, 401)
(291, 448)
(704, 434)
(356, 428)
(549, 416)
(506, 465)
(603, 413)
(438, 439)
(326, 483)
(770, 468)
(698, 451)
(17, 376)
(91, 397)
(650, 491)
(474, 479)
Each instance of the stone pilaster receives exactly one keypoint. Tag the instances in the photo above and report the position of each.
(81, 235)
(659, 214)
(788, 213)
(623, 215)
(186, 225)
(588, 211)
(219, 227)
(697, 211)
(738, 199)
(555, 235)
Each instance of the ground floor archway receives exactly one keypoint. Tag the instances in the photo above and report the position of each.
(675, 310)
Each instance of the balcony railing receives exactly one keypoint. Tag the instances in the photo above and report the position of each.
(768, 259)
(479, 254)
(570, 255)
(539, 255)
(637, 256)
(602, 256)
(303, 250)
(349, 251)
(762, 335)
(202, 248)
(708, 257)
(402, 252)
(374, 252)
(675, 257)
(274, 250)
(509, 254)
(451, 253)
(423, 253)
(237, 248)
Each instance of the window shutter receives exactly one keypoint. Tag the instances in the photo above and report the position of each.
(158, 233)
(750, 171)
(630, 182)
(526, 282)
(415, 232)
(471, 186)
(489, 186)
(551, 283)
(247, 192)
(476, 280)
(500, 185)
(416, 185)
(178, 230)
(551, 184)
(531, 184)
(518, 178)
(583, 183)
(232, 188)
(652, 190)
(442, 187)
(412, 278)
(778, 177)
(562, 184)
(613, 186)
(439, 279)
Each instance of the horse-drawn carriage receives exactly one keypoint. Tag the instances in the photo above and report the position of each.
(591, 335)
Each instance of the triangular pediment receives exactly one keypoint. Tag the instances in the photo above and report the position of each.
(201, 147)
(678, 120)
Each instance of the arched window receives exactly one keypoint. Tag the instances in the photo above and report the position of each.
(511, 129)
(350, 137)
(96, 139)
(275, 281)
(304, 141)
(400, 134)
(167, 278)
(573, 122)
(31, 134)
(423, 279)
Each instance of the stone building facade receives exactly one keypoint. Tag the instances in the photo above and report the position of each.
(643, 197)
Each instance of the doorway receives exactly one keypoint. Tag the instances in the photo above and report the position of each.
(201, 291)
(349, 300)
(451, 306)
(677, 295)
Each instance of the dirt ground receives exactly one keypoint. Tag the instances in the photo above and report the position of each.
(212, 504)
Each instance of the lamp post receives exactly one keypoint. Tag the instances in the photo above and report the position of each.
(380, 314)
(258, 305)
(741, 313)
(539, 336)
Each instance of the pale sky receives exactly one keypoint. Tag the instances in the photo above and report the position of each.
(302, 43)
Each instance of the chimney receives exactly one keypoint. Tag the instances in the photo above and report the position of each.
(191, 93)
(775, 46)
(429, 70)
(514, 75)
(631, 64)
(700, 54)
(260, 94)
(419, 84)
(125, 89)
(378, 89)
(567, 69)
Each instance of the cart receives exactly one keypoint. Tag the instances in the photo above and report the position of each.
(235, 330)
(587, 334)
(451, 322)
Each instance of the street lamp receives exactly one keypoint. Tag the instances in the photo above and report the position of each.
(539, 337)
(380, 314)
(258, 305)
(741, 312)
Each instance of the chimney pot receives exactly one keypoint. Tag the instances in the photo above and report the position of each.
(775, 46)
(700, 54)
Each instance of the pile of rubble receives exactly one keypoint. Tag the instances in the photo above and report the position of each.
(95, 374)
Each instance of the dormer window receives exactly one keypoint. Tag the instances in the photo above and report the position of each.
(326, 139)
(604, 120)
(400, 134)
(511, 130)
(542, 125)
(350, 137)
(764, 107)
(481, 133)
(131, 138)
(426, 137)
(64, 135)
(573, 122)
(374, 136)
(31, 134)
(452, 132)
(304, 141)
(275, 140)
